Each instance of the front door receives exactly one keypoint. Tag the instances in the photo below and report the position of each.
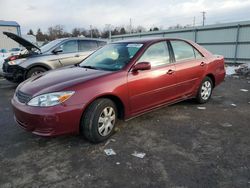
(153, 87)
(70, 54)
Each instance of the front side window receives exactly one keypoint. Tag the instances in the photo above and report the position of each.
(157, 54)
(87, 45)
(70, 46)
(184, 51)
(112, 56)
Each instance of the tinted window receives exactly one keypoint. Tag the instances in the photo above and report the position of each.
(86, 45)
(182, 50)
(157, 54)
(70, 46)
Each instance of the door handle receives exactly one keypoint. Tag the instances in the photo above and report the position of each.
(202, 64)
(77, 55)
(170, 71)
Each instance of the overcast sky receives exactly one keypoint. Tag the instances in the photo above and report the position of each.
(32, 14)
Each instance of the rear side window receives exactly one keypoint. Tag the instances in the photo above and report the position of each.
(197, 54)
(184, 51)
(70, 46)
(101, 43)
(157, 54)
(87, 45)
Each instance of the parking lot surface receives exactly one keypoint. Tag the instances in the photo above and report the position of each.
(186, 145)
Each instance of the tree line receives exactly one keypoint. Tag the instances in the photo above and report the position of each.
(59, 31)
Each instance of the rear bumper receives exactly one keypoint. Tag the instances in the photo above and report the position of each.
(47, 121)
(220, 77)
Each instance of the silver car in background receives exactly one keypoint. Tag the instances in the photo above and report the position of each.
(57, 53)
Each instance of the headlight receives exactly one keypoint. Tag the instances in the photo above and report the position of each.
(16, 61)
(51, 99)
(12, 63)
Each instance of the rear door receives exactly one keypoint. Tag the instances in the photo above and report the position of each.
(153, 87)
(189, 66)
(70, 54)
(86, 47)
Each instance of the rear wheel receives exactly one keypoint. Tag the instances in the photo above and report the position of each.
(98, 122)
(205, 90)
(35, 71)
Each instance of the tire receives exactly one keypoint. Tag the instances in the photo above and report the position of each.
(205, 91)
(35, 71)
(95, 125)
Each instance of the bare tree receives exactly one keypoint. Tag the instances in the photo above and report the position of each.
(30, 32)
(55, 32)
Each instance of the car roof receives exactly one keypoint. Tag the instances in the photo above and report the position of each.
(147, 40)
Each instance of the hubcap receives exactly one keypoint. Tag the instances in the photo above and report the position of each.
(206, 89)
(106, 121)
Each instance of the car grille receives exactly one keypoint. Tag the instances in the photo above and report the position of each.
(23, 97)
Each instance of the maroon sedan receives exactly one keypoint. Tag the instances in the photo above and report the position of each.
(121, 80)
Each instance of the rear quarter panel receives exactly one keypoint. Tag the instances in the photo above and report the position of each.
(216, 67)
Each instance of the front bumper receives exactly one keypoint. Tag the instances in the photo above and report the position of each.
(13, 73)
(48, 121)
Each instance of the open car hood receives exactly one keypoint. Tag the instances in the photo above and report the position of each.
(28, 45)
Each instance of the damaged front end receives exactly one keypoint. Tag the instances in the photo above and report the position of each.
(12, 71)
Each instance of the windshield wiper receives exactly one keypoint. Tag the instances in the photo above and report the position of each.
(88, 67)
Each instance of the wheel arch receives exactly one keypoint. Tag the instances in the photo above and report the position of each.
(212, 77)
(42, 65)
(117, 100)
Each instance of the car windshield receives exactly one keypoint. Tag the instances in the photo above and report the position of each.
(112, 57)
(50, 45)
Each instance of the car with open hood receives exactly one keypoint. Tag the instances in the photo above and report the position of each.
(57, 53)
(121, 80)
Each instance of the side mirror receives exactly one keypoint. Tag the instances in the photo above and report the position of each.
(57, 50)
(141, 66)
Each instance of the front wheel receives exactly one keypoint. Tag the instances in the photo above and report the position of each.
(205, 91)
(35, 71)
(98, 122)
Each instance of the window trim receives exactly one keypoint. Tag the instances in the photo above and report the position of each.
(159, 66)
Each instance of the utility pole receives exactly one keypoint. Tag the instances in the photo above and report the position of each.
(109, 30)
(91, 32)
(203, 17)
(130, 25)
(194, 22)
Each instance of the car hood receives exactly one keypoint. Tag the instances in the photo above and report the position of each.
(28, 45)
(59, 80)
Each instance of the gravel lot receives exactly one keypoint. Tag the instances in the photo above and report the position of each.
(185, 146)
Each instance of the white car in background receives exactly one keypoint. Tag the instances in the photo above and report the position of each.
(1, 65)
(15, 51)
(4, 53)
